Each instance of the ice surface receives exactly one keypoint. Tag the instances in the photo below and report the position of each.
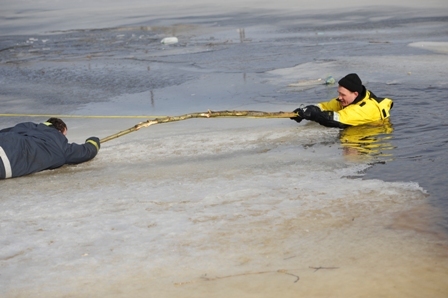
(214, 207)
(175, 201)
(437, 47)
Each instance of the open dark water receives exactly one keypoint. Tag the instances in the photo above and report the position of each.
(420, 139)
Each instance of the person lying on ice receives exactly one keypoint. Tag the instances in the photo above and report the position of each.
(28, 148)
(354, 106)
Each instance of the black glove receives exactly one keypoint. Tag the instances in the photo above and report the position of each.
(309, 112)
(94, 141)
(298, 119)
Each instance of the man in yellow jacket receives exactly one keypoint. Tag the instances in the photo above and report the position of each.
(354, 106)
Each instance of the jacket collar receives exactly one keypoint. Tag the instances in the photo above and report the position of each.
(360, 96)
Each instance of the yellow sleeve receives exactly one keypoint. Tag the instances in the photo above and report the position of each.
(332, 105)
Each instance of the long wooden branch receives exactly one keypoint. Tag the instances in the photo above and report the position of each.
(209, 114)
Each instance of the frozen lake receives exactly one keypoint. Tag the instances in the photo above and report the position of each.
(226, 207)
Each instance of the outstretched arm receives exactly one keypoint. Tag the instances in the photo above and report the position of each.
(325, 118)
(77, 153)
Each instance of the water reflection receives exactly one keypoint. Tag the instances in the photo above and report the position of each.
(152, 98)
(367, 141)
(242, 33)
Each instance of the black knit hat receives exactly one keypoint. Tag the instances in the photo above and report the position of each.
(351, 82)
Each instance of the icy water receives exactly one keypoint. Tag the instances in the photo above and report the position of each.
(226, 207)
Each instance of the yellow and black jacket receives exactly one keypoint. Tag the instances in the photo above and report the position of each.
(366, 108)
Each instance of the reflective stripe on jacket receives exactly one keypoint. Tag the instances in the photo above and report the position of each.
(5, 166)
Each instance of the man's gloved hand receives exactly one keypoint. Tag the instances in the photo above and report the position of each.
(298, 119)
(309, 112)
(95, 142)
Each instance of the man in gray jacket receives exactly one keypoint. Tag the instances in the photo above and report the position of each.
(28, 148)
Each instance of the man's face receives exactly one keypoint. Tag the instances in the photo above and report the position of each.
(346, 97)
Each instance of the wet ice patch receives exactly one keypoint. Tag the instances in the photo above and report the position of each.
(306, 75)
(436, 47)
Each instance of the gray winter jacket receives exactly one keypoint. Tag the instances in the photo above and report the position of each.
(28, 148)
